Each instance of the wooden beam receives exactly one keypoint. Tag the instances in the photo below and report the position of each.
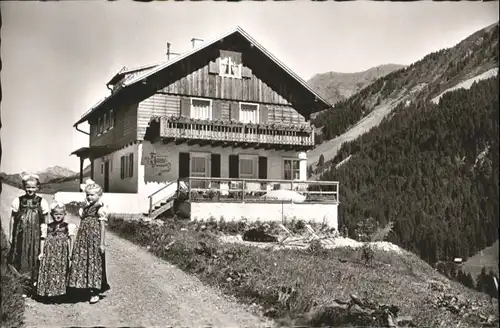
(81, 170)
(179, 141)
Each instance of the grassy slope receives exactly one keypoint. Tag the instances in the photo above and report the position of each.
(426, 78)
(315, 278)
(488, 258)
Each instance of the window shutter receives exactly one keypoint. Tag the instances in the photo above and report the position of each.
(262, 167)
(235, 111)
(234, 166)
(131, 165)
(216, 110)
(246, 72)
(184, 165)
(213, 67)
(215, 169)
(264, 114)
(122, 167)
(186, 107)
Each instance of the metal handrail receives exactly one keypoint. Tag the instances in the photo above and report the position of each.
(336, 193)
(316, 182)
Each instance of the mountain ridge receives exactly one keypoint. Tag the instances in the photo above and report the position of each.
(337, 86)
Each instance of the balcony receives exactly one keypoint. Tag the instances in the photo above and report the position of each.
(230, 133)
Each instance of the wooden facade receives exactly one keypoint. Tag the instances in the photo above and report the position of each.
(124, 129)
(170, 105)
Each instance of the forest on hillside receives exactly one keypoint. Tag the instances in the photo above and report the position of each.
(432, 169)
(436, 71)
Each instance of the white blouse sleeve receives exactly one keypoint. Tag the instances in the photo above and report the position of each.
(103, 213)
(45, 206)
(43, 228)
(15, 205)
(71, 229)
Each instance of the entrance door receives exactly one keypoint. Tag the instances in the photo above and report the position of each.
(106, 176)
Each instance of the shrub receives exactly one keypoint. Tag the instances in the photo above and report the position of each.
(12, 302)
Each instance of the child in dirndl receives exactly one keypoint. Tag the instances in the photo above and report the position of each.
(55, 249)
(88, 264)
(28, 213)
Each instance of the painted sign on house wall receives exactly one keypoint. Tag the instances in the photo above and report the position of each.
(158, 165)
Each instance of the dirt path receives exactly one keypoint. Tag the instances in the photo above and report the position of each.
(145, 291)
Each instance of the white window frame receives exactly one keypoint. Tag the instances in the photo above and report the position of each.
(251, 104)
(206, 156)
(210, 108)
(111, 119)
(255, 168)
(102, 166)
(105, 122)
(292, 169)
(222, 62)
(99, 124)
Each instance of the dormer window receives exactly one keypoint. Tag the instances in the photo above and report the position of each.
(230, 68)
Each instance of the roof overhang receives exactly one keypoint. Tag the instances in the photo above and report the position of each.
(94, 151)
(152, 70)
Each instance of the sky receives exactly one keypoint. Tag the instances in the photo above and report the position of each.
(58, 56)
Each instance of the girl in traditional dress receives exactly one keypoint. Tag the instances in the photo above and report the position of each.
(88, 267)
(55, 249)
(28, 213)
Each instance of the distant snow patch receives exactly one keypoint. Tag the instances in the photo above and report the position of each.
(468, 83)
(342, 162)
(481, 156)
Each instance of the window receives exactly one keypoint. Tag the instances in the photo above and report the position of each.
(99, 126)
(248, 167)
(111, 164)
(105, 122)
(228, 67)
(127, 166)
(199, 168)
(249, 113)
(111, 119)
(201, 109)
(102, 166)
(291, 169)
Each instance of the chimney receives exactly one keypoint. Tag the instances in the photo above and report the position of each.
(196, 41)
(173, 54)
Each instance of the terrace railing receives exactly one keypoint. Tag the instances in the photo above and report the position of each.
(281, 134)
(256, 190)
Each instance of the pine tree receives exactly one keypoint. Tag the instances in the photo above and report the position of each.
(321, 160)
(481, 281)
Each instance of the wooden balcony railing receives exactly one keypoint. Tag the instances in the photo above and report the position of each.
(279, 134)
(256, 190)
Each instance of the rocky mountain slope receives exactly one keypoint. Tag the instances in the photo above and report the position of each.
(336, 86)
(425, 79)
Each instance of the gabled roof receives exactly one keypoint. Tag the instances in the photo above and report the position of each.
(153, 69)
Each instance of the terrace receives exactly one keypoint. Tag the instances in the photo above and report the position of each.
(258, 199)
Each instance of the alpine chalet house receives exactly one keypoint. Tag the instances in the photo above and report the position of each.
(223, 127)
